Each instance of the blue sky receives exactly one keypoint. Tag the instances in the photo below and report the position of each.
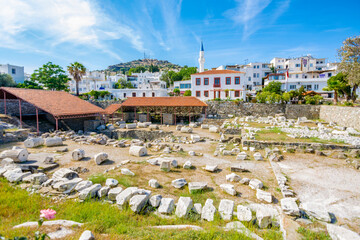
(102, 33)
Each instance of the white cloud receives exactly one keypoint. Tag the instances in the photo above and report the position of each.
(26, 23)
(250, 14)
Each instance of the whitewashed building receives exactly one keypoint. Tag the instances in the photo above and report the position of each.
(16, 72)
(183, 85)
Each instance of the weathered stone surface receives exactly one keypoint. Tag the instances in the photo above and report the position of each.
(67, 186)
(83, 185)
(316, 210)
(232, 177)
(179, 183)
(167, 206)
(131, 126)
(208, 211)
(100, 158)
(78, 154)
(263, 217)
(228, 188)
(87, 235)
(13, 176)
(256, 184)
(241, 156)
(165, 165)
(114, 192)
(184, 205)
(127, 172)
(213, 129)
(18, 155)
(211, 168)
(103, 191)
(137, 151)
(33, 142)
(155, 200)
(124, 196)
(237, 168)
(111, 182)
(36, 178)
(138, 202)
(197, 208)
(186, 129)
(195, 138)
(187, 165)
(244, 213)
(258, 156)
(197, 186)
(289, 207)
(154, 183)
(264, 196)
(341, 233)
(89, 192)
(53, 141)
(226, 209)
(245, 181)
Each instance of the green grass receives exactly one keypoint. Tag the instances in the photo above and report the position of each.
(311, 235)
(124, 180)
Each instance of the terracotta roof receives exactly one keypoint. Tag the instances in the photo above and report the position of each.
(112, 108)
(212, 72)
(57, 103)
(163, 102)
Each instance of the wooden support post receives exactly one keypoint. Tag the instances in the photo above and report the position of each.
(122, 113)
(161, 116)
(112, 118)
(4, 102)
(135, 113)
(205, 112)
(37, 121)
(175, 119)
(189, 117)
(57, 124)
(20, 113)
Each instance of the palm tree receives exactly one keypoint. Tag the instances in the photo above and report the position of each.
(77, 71)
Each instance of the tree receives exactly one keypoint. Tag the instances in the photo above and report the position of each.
(29, 84)
(52, 76)
(122, 84)
(349, 54)
(6, 80)
(177, 92)
(273, 87)
(337, 84)
(187, 93)
(273, 69)
(153, 68)
(77, 71)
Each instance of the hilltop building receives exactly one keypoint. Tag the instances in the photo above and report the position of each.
(16, 72)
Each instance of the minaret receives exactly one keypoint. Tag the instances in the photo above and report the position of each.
(201, 58)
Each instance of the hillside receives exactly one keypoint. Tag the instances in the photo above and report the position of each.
(162, 64)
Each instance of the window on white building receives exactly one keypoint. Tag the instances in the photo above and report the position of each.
(258, 75)
(297, 75)
(254, 66)
(316, 87)
(254, 75)
(311, 65)
(292, 87)
(249, 79)
(297, 65)
(13, 71)
(257, 66)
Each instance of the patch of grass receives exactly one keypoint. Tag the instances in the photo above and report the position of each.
(17, 206)
(98, 178)
(311, 235)
(124, 180)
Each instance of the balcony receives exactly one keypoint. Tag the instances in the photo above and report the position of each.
(217, 85)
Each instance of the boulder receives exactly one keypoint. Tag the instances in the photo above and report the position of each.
(256, 184)
(154, 126)
(226, 209)
(245, 181)
(232, 177)
(87, 235)
(65, 173)
(174, 163)
(78, 154)
(244, 213)
(66, 186)
(131, 126)
(114, 192)
(275, 157)
(167, 206)
(204, 126)
(36, 178)
(138, 202)
(186, 129)
(195, 138)
(111, 182)
(155, 200)
(213, 129)
(34, 142)
(183, 206)
(83, 185)
(208, 211)
(237, 168)
(89, 192)
(18, 155)
(197, 208)
(316, 210)
(127, 172)
(263, 216)
(228, 188)
(53, 141)
(241, 156)
(187, 165)
(165, 165)
(341, 233)
(197, 186)
(7, 161)
(154, 183)
(103, 191)
(290, 207)
(14, 176)
(137, 151)
(211, 168)
(100, 158)
(258, 156)
(179, 183)
(124, 196)
(264, 196)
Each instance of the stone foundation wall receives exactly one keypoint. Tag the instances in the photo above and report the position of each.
(12, 108)
(262, 109)
(343, 116)
(168, 119)
(143, 135)
(299, 145)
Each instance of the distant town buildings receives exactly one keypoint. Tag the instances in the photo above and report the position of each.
(16, 72)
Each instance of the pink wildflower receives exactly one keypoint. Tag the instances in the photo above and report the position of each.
(47, 213)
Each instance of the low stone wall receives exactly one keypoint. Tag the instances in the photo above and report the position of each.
(262, 110)
(12, 108)
(104, 104)
(343, 116)
(315, 146)
(143, 135)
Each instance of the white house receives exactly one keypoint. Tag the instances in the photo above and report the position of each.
(218, 84)
(16, 72)
(183, 86)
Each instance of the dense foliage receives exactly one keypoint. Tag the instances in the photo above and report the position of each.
(184, 74)
(77, 71)
(187, 93)
(6, 80)
(122, 83)
(52, 76)
(95, 94)
(29, 84)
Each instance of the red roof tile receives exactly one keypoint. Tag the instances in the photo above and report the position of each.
(212, 72)
(57, 103)
(164, 102)
(112, 108)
